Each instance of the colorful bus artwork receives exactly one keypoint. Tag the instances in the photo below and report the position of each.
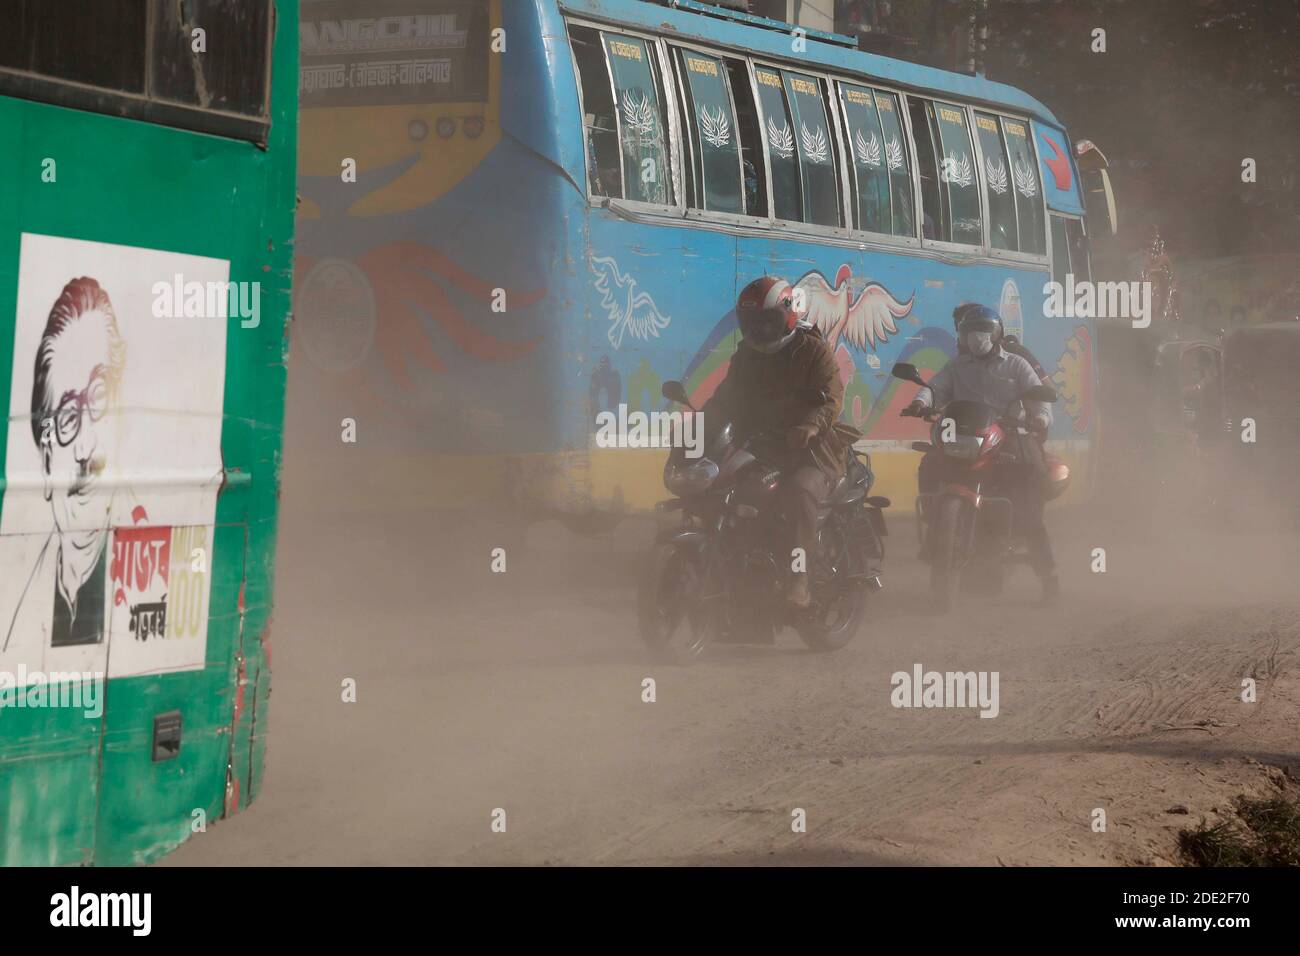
(558, 219)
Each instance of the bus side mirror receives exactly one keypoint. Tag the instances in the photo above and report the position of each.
(1100, 200)
(1098, 197)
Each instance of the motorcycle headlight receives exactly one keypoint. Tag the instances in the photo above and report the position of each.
(689, 477)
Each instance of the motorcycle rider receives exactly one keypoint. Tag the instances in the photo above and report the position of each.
(780, 359)
(1010, 343)
(927, 476)
(984, 370)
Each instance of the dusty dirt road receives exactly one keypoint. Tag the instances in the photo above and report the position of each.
(522, 691)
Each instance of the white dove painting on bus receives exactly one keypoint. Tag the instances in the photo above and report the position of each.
(628, 309)
(858, 313)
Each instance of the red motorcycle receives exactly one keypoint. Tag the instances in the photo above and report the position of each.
(968, 528)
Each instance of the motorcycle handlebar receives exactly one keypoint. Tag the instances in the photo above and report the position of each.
(933, 415)
(927, 414)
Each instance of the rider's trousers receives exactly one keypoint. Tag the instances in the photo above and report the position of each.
(804, 489)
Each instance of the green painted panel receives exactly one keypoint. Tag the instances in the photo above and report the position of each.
(75, 789)
(49, 774)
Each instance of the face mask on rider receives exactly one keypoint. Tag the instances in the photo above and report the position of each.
(979, 343)
(769, 334)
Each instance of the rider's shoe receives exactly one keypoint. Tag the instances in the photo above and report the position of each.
(797, 595)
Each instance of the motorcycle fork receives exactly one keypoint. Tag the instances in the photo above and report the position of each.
(925, 502)
(971, 514)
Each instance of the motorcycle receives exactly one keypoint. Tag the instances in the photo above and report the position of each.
(968, 529)
(718, 573)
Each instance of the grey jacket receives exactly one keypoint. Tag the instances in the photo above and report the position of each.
(995, 380)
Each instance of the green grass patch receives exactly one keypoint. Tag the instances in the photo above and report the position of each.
(1265, 833)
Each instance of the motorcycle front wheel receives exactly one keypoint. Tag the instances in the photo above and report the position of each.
(945, 550)
(676, 613)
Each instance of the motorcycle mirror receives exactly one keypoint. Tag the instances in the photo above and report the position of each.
(907, 372)
(676, 392)
(1041, 393)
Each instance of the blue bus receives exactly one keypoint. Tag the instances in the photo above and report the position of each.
(554, 216)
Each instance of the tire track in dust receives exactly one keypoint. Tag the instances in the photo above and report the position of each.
(1158, 674)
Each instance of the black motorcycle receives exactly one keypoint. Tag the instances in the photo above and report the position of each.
(719, 572)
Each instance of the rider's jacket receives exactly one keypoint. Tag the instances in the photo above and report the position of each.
(762, 393)
(1016, 347)
(995, 380)
(1012, 344)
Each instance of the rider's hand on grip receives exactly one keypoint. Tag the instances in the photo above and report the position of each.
(914, 410)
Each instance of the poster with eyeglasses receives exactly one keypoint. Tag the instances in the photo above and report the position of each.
(113, 459)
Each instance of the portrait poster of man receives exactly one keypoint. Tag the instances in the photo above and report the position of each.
(113, 461)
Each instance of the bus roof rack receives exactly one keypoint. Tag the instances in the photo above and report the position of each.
(741, 16)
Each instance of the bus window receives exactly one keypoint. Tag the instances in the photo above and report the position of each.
(958, 174)
(934, 199)
(714, 171)
(82, 41)
(1080, 264)
(816, 145)
(231, 74)
(787, 190)
(604, 164)
(1069, 249)
(1060, 251)
(753, 173)
(642, 121)
(900, 176)
(870, 179)
(1024, 178)
(135, 58)
(1003, 232)
(624, 121)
